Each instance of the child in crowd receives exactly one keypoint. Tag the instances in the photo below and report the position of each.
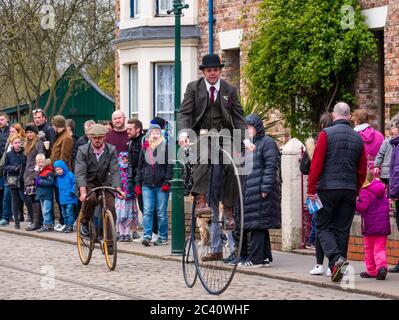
(373, 206)
(126, 209)
(67, 192)
(44, 190)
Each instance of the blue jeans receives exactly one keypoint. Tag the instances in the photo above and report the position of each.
(47, 211)
(68, 213)
(6, 204)
(154, 197)
(312, 235)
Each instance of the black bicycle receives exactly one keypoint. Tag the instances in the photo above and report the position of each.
(215, 275)
(101, 230)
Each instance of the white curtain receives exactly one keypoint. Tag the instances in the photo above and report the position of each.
(165, 90)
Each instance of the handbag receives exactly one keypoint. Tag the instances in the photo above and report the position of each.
(12, 182)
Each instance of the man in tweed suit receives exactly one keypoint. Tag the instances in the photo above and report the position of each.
(211, 103)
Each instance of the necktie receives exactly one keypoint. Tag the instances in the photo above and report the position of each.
(212, 98)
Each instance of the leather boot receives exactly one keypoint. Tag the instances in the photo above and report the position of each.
(201, 207)
(229, 224)
(395, 269)
(36, 224)
(212, 256)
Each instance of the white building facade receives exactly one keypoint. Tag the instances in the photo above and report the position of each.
(145, 50)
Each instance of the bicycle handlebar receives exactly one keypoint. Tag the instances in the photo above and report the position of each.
(104, 188)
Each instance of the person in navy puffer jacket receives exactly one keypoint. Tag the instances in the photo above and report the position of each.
(262, 194)
(373, 206)
(66, 185)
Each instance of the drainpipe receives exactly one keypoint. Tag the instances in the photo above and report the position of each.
(210, 25)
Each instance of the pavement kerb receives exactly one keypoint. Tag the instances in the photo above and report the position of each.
(293, 278)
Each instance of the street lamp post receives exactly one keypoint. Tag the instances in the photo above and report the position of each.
(178, 223)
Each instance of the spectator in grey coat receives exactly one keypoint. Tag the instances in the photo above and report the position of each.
(383, 158)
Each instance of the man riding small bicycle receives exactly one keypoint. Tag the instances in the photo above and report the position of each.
(96, 166)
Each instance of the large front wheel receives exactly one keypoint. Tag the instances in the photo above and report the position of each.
(110, 244)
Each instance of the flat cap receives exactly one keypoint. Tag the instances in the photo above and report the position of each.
(97, 130)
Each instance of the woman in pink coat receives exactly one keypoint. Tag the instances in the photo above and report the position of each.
(372, 138)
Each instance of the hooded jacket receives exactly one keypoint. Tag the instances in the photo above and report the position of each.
(372, 140)
(262, 213)
(65, 184)
(154, 168)
(383, 158)
(45, 184)
(373, 206)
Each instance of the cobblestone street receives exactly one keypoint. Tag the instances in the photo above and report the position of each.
(41, 269)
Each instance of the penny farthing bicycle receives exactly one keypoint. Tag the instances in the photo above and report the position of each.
(208, 232)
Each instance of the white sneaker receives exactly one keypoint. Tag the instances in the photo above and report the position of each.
(317, 270)
(154, 237)
(57, 227)
(61, 228)
(139, 240)
(328, 273)
(266, 263)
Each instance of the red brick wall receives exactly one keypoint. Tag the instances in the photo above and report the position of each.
(356, 250)
(229, 15)
(368, 89)
(368, 4)
(392, 55)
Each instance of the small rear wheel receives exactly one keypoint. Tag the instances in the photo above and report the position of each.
(109, 240)
(85, 243)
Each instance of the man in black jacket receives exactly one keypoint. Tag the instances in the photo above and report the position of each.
(337, 173)
(4, 134)
(135, 134)
(46, 131)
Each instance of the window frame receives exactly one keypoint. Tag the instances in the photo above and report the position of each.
(155, 91)
(163, 12)
(133, 101)
(134, 9)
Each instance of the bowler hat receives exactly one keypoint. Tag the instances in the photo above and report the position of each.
(97, 130)
(211, 61)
